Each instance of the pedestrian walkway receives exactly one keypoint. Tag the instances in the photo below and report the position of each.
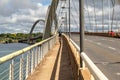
(55, 65)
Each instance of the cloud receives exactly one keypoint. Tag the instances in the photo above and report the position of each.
(90, 15)
(13, 13)
(19, 15)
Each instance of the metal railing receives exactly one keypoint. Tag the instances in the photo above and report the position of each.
(94, 70)
(18, 65)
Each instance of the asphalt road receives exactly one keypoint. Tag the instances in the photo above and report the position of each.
(104, 52)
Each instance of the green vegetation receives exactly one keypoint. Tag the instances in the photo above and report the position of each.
(13, 38)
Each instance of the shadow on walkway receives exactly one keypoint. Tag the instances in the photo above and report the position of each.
(62, 68)
(55, 65)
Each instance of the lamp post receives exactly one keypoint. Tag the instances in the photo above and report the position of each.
(81, 24)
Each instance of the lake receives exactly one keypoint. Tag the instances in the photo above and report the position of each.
(6, 49)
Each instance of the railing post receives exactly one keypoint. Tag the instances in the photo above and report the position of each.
(51, 43)
(37, 54)
(36, 57)
(11, 71)
(41, 51)
(21, 68)
(46, 48)
(32, 61)
(27, 65)
(92, 77)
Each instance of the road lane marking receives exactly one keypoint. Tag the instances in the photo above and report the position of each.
(105, 63)
(118, 73)
(90, 41)
(99, 43)
(104, 39)
(111, 40)
(111, 48)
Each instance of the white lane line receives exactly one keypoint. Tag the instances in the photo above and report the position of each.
(90, 41)
(111, 40)
(99, 43)
(104, 39)
(104, 63)
(112, 48)
(118, 73)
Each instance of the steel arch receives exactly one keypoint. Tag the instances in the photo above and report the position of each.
(35, 23)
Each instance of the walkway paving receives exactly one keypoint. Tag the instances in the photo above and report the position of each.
(55, 66)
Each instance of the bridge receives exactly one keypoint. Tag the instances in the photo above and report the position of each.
(88, 48)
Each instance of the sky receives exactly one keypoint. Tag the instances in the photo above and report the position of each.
(18, 15)
(90, 21)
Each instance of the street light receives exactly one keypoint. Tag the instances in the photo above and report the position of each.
(81, 24)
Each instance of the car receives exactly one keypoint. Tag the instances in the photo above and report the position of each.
(111, 33)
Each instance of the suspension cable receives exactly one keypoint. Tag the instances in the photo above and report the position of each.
(113, 4)
(75, 8)
(75, 21)
(88, 15)
(109, 14)
(117, 27)
(95, 15)
(102, 15)
(76, 12)
(60, 11)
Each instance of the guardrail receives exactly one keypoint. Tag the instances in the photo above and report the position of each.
(94, 70)
(74, 58)
(18, 65)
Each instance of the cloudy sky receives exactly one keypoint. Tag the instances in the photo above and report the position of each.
(109, 17)
(19, 15)
(94, 14)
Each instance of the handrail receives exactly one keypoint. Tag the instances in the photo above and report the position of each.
(22, 51)
(98, 75)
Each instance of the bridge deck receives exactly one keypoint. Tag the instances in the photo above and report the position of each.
(55, 66)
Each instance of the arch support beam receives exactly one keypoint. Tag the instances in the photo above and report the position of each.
(50, 17)
(31, 31)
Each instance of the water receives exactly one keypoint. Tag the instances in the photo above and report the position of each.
(6, 49)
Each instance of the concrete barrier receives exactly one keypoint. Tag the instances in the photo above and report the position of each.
(79, 74)
(105, 34)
